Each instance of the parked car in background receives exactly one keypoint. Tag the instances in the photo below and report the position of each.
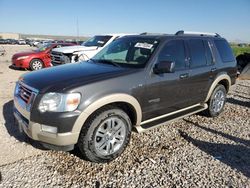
(83, 52)
(21, 42)
(44, 42)
(34, 43)
(2, 41)
(11, 41)
(36, 59)
(30, 42)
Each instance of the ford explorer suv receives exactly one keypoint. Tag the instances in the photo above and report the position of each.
(83, 52)
(137, 82)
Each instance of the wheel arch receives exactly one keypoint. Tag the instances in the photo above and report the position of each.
(124, 101)
(222, 79)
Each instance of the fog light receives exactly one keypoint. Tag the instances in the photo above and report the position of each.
(49, 129)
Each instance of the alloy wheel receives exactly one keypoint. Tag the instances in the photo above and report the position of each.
(36, 65)
(109, 136)
(218, 101)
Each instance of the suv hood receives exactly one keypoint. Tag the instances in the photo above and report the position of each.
(71, 49)
(65, 77)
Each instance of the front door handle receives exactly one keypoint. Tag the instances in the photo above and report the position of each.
(213, 69)
(183, 76)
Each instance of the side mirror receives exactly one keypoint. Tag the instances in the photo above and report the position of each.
(164, 67)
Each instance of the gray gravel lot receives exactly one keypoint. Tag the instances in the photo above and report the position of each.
(12, 143)
(193, 152)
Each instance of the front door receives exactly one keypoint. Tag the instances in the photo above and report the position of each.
(169, 92)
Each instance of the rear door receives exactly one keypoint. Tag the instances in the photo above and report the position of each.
(202, 68)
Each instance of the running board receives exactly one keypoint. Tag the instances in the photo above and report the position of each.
(147, 125)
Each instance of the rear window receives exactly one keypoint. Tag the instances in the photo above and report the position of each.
(225, 51)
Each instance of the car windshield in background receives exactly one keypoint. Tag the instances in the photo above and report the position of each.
(99, 41)
(43, 47)
(127, 52)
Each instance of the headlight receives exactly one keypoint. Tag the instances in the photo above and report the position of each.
(22, 57)
(16, 91)
(59, 102)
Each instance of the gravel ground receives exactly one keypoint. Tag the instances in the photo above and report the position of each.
(12, 143)
(193, 152)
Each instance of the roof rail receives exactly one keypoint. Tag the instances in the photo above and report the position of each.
(147, 33)
(181, 32)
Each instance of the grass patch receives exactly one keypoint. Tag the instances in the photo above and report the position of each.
(240, 50)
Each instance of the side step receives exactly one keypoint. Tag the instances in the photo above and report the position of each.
(170, 117)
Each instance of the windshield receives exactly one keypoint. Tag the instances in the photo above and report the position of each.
(128, 52)
(43, 47)
(99, 41)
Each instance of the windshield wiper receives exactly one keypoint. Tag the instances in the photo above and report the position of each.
(106, 61)
(93, 60)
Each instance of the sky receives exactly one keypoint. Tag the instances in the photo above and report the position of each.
(229, 18)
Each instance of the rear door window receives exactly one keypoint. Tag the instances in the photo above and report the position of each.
(224, 50)
(174, 50)
(197, 53)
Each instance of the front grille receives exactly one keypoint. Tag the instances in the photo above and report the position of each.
(25, 95)
(56, 57)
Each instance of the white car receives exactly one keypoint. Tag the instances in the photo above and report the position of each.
(21, 42)
(85, 51)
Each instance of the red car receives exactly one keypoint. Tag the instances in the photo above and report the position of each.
(36, 59)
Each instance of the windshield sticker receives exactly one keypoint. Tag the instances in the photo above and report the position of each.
(100, 42)
(143, 45)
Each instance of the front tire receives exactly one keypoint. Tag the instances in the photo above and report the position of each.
(36, 64)
(105, 135)
(216, 102)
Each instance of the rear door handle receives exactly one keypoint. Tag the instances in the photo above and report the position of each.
(183, 76)
(213, 69)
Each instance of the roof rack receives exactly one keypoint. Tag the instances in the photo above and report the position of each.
(181, 32)
(147, 33)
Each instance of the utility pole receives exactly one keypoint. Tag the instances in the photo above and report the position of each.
(77, 28)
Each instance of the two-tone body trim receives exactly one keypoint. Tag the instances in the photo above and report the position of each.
(215, 83)
(170, 117)
(118, 97)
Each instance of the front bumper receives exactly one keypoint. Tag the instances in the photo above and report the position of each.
(35, 132)
(23, 63)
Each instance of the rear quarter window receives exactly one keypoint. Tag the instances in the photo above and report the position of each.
(224, 50)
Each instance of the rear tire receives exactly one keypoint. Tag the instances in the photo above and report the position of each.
(36, 64)
(105, 135)
(216, 102)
